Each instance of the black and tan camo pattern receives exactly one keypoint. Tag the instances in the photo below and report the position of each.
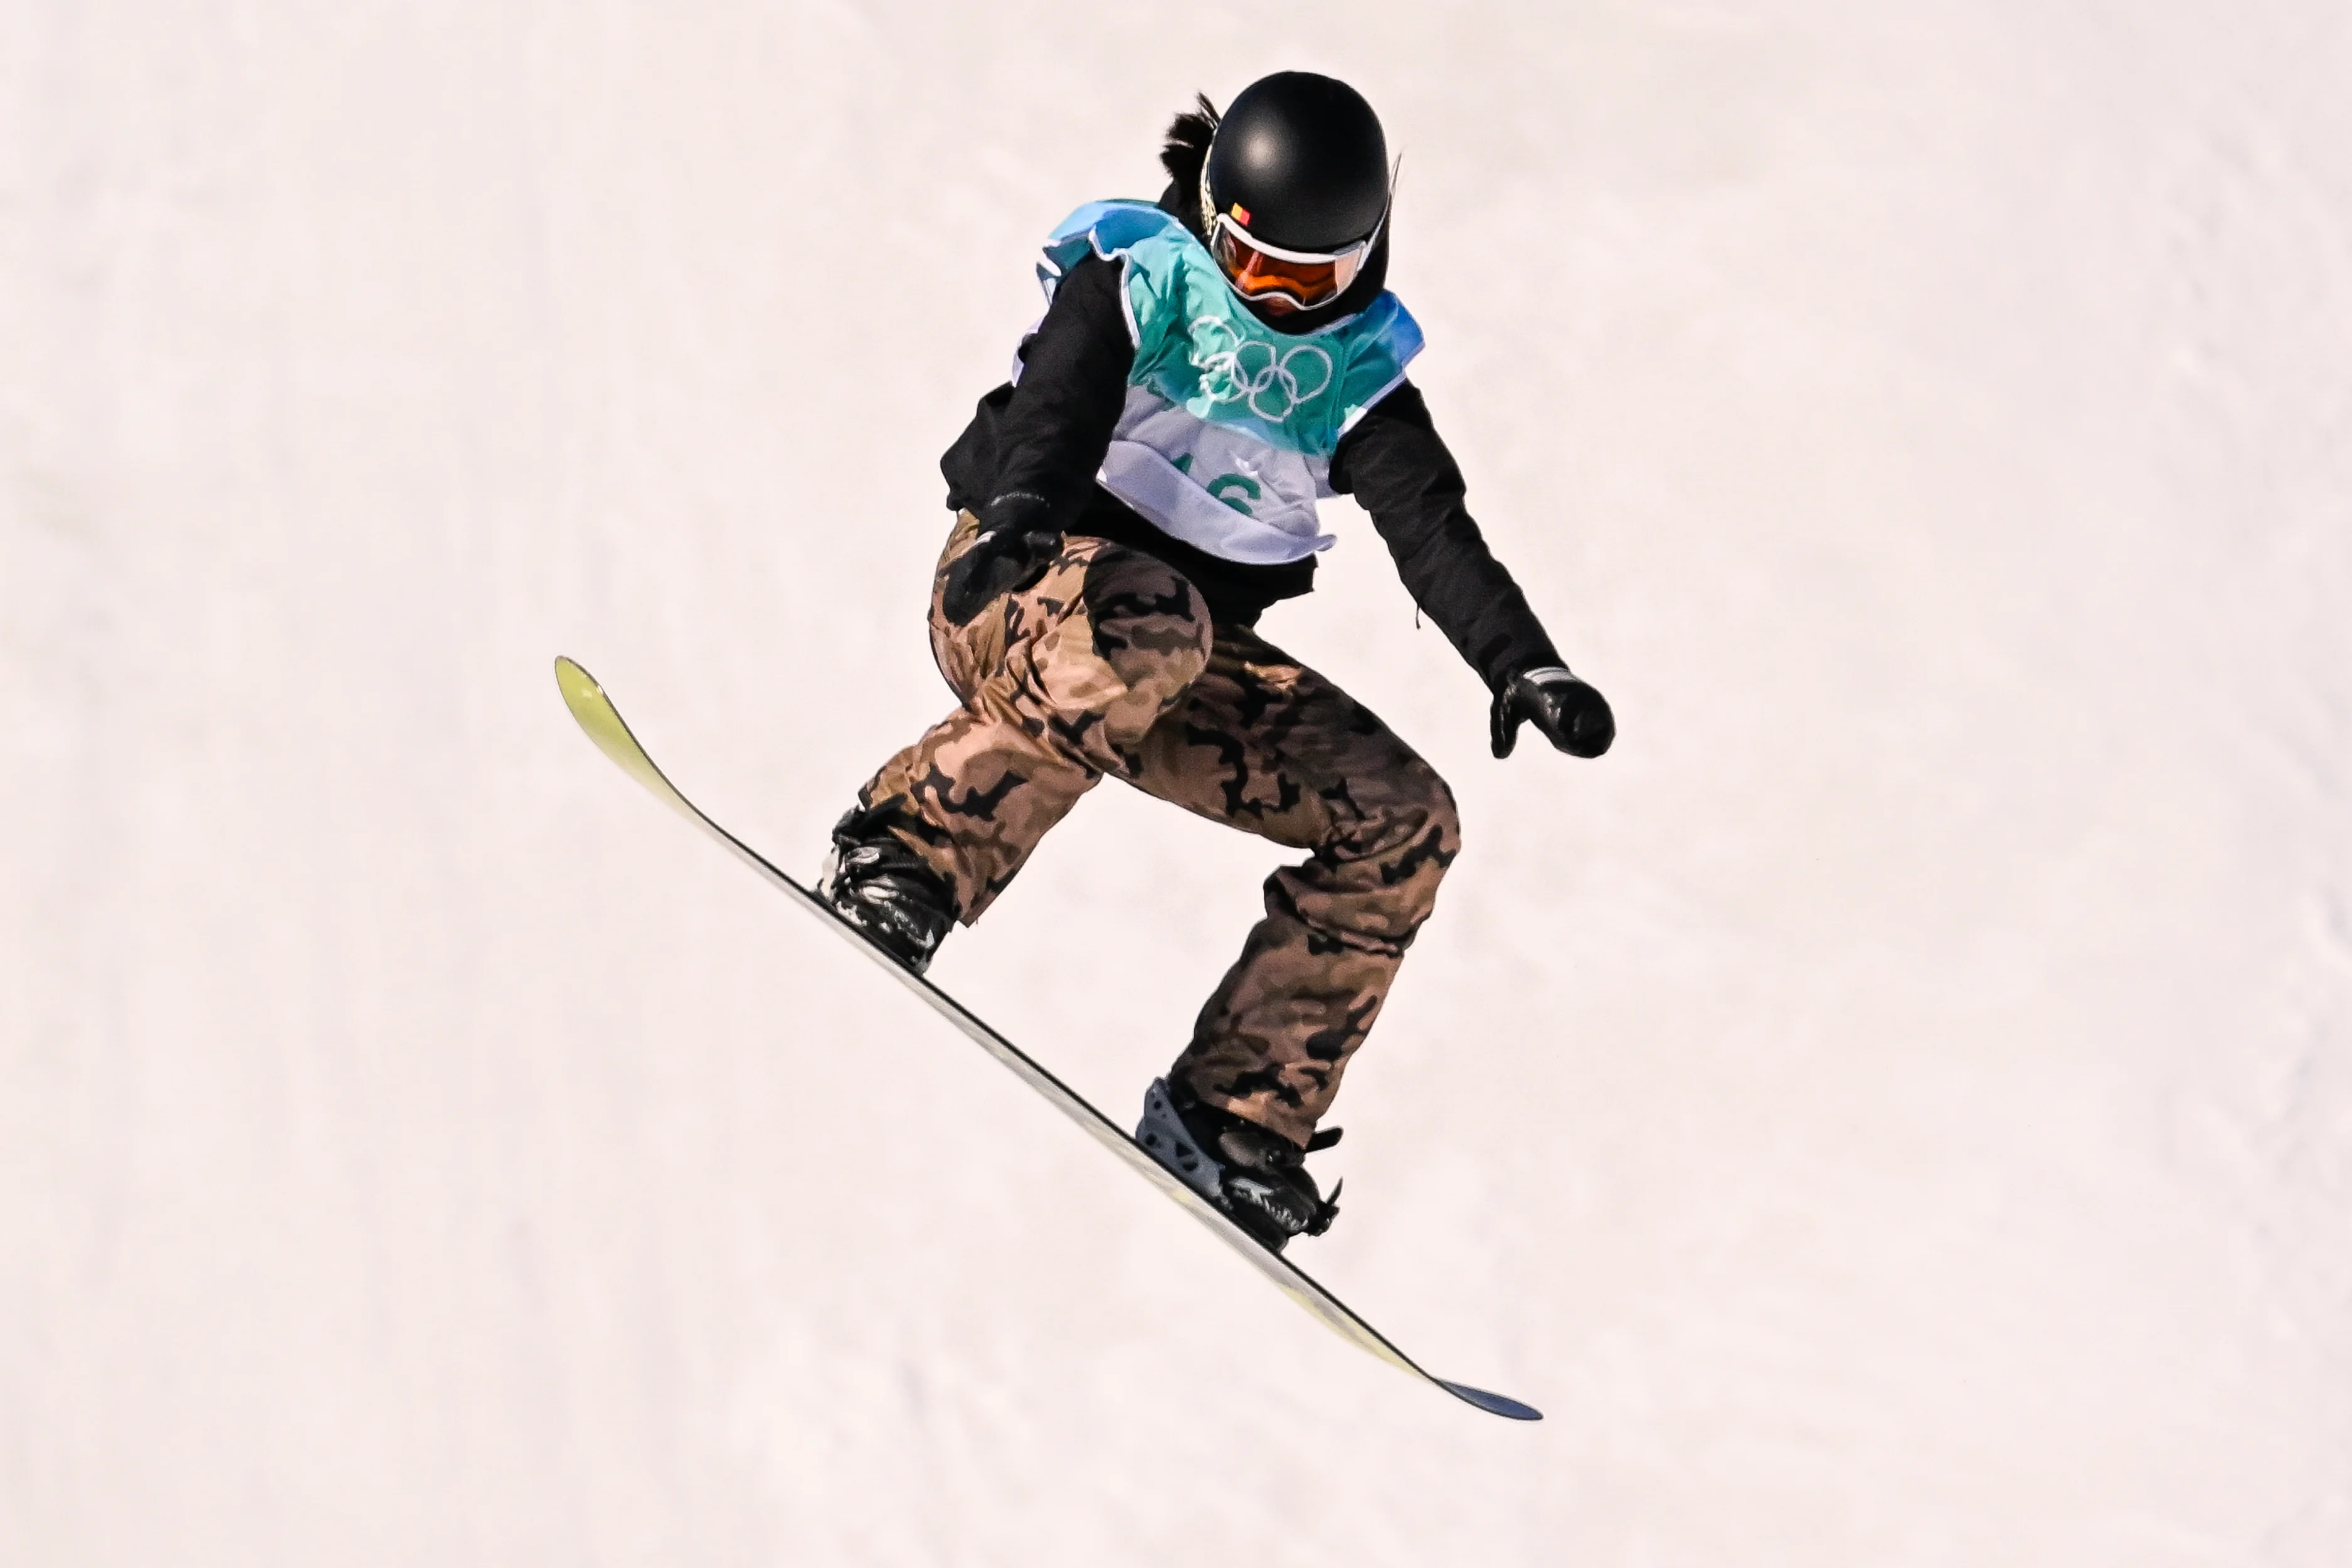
(1108, 664)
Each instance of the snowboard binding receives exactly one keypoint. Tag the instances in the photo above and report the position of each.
(1257, 1177)
(884, 890)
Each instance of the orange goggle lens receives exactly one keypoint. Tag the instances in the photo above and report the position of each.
(1260, 273)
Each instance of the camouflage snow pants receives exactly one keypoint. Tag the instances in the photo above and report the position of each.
(1108, 664)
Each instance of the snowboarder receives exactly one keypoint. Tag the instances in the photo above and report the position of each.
(1127, 509)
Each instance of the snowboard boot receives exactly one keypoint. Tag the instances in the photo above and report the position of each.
(875, 883)
(1256, 1175)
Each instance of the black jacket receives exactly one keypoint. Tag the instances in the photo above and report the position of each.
(1047, 437)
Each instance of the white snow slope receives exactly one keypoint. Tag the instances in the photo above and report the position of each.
(1896, 1109)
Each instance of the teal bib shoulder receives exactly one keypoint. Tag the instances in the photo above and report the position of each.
(1199, 347)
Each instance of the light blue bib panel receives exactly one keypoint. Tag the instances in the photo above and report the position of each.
(1227, 439)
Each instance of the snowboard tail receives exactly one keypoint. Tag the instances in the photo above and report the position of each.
(597, 716)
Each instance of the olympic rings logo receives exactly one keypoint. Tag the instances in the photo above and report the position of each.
(1272, 383)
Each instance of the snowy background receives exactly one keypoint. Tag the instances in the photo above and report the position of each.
(1896, 1109)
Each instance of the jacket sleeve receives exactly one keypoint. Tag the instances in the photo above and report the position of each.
(1057, 425)
(1398, 469)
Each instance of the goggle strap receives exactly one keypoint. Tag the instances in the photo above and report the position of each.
(1309, 257)
(1211, 219)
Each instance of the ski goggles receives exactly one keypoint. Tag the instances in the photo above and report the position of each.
(1260, 271)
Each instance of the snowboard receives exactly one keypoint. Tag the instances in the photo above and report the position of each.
(602, 721)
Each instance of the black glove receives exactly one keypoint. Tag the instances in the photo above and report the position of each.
(1016, 545)
(1572, 715)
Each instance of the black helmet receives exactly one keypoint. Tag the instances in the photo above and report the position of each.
(1295, 196)
(1300, 167)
